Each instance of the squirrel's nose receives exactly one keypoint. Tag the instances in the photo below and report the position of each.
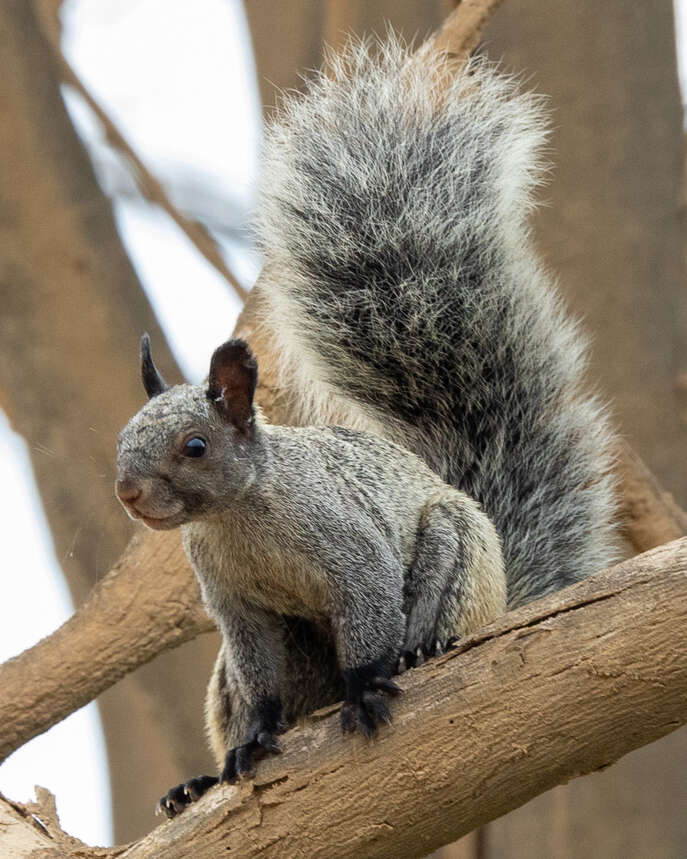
(128, 490)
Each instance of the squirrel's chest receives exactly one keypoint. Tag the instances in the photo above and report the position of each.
(251, 564)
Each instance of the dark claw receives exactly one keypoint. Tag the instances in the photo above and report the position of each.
(244, 761)
(366, 721)
(364, 708)
(416, 657)
(385, 684)
(269, 742)
(365, 714)
(181, 796)
(240, 761)
(377, 707)
(229, 772)
(348, 719)
(195, 788)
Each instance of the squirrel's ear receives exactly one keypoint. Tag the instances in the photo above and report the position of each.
(232, 381)
(152, 380)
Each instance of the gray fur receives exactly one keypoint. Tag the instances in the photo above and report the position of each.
(306, 538)
(403, 290)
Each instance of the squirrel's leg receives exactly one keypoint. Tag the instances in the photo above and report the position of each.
(456, 583)
(243, 704)
(249, 686)
(218, 708)
(368, 625)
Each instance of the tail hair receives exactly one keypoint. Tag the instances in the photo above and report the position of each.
(404, 292)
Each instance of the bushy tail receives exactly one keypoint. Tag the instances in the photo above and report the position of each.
(400, 278)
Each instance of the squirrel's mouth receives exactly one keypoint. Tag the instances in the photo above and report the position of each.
(156, 523)
(161, 523)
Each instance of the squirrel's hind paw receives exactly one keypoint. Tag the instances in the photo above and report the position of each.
(416, 657)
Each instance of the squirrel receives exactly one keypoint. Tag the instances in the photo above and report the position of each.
(406, 301)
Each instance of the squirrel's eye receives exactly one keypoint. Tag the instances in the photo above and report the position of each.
(194, 447)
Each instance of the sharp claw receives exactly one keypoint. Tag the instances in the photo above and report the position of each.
(367, 723)
(438, 648)
(269, 743)
(375, 708)
(401, 668)
(385, 684)
(419, 657)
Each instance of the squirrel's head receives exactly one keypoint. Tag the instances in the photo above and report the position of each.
(191, 448)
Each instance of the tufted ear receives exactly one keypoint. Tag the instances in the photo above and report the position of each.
(232, 381)
(152, 380)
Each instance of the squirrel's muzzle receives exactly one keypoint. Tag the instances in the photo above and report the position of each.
(128, 490)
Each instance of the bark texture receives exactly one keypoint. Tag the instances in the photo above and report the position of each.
(652, 519)
(557, 689)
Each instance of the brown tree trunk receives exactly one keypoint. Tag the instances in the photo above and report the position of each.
(72, 312)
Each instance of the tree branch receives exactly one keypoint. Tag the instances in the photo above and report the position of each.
(148, 603)
(463, 28)
(149, 186)
(554, 690)
(649, 514)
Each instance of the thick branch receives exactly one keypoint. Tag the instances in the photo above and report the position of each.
(557, 689)
(462, 29)
(148, 603)
(166, 611)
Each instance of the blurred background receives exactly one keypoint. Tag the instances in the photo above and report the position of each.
(90, 256)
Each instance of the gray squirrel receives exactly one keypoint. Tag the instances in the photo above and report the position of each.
(473, 473)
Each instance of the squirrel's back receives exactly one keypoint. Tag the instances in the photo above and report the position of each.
(404, 292)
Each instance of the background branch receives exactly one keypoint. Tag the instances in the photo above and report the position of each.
(151, 189)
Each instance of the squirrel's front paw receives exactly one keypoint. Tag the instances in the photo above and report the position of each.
(176, 799)
(364, 707)
(261, 739)
(240, 761)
